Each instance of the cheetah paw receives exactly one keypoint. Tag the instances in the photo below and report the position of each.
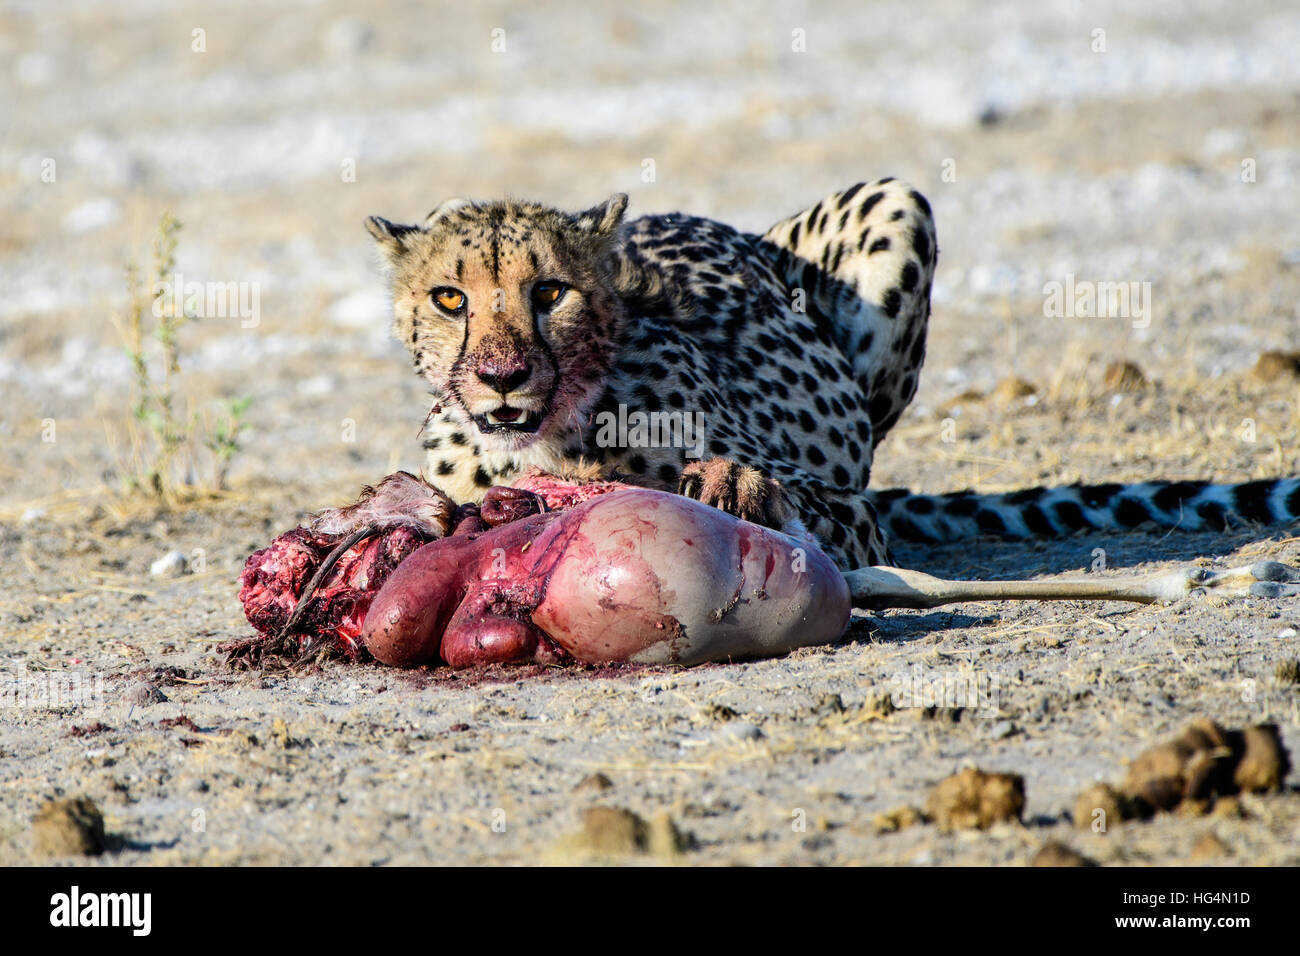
(738, 490)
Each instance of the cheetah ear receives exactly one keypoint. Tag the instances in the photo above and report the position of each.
(443, 211)
(393, 239)
(603, 219)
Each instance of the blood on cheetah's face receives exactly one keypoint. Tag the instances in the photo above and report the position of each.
(508, 311)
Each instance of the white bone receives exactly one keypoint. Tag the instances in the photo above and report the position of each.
(877, 588)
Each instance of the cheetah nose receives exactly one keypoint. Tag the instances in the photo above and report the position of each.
(504, 377)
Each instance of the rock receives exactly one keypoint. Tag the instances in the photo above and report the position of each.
(991, 115)
(1002, 729)
(738, 730)
(68, 828)
(170, 565)
(974, 799)
(1058, 854)
(144, 694)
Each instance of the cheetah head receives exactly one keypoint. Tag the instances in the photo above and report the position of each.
(508, 311)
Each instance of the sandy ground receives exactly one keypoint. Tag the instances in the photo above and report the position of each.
(1170, 157)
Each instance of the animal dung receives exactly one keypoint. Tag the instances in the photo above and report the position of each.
(973, 799)
(1191, 774)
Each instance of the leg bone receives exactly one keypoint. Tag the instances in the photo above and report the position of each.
(878, 588)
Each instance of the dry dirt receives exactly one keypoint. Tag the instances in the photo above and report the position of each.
(1171, 157)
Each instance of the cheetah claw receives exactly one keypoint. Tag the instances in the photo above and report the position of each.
(739, 490)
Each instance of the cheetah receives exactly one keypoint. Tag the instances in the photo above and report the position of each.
(794, 351)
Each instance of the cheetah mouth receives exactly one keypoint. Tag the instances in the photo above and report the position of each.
(508, 419)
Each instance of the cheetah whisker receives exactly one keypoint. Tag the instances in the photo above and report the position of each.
(877, 588)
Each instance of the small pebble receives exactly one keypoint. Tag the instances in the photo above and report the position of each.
(170, 565)
(1002, 729)
(346, 36)
(143, 694)
(1286, 632)
(595, 783)
(739, 730)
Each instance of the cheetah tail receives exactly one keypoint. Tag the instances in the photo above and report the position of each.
(1055, 512)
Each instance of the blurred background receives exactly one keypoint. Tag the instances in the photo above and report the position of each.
(1110, 141)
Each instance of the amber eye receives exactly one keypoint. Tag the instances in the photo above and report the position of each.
(449, 300)
(546, 294)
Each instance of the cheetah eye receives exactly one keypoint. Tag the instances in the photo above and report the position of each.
(449, 300)
(546, 294)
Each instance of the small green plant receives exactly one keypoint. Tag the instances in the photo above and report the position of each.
(223, 437)
(163, 443)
